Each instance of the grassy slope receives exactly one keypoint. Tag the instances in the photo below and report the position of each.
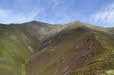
(52, 54)
(18, 43)
(13, 52)
(103, 63)
(59, 57)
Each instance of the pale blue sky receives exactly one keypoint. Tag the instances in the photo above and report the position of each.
(96, 12)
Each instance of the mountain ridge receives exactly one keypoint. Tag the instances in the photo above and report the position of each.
(19, 43)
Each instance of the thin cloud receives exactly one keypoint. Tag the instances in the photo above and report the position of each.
(104, 17)
(55, 3)
(9, 16)
(28, 12)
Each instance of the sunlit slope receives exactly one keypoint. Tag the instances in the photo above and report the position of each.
(72, 51)
(13, 54)
(76, 24)
(18, 42)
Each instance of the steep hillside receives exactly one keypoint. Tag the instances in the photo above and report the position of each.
(19, 42)
(37, 48)
(77, 51)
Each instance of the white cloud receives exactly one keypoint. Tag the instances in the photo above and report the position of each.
(104, 17)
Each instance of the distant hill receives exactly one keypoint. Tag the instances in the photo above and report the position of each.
(37, 48)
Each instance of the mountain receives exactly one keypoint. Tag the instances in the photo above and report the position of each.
(18, 42)
(37, 48)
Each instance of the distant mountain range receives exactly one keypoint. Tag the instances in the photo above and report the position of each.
(37, 48)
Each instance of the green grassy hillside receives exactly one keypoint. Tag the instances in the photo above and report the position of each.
(19, 42)
(75, 51)
(36, 48)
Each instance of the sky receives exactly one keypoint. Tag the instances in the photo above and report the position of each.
(95, 12)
